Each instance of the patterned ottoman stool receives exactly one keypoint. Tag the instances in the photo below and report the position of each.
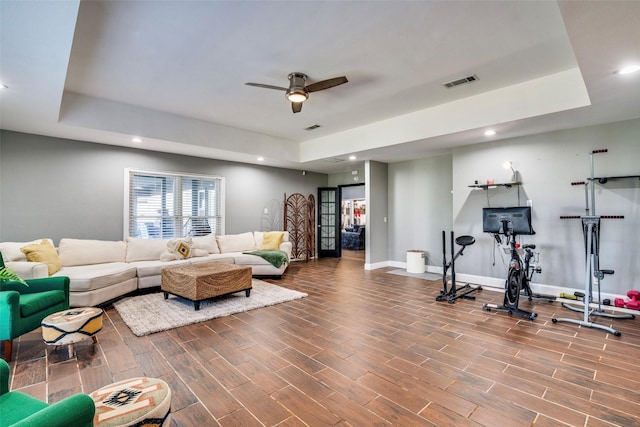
(133, 402)
(71, 326)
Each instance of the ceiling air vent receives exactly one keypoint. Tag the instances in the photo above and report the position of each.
(312, 127)
(333, 160)
(461, 81)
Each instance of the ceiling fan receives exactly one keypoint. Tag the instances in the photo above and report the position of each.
(298, 91)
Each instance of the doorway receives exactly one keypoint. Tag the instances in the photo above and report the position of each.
(353, 221)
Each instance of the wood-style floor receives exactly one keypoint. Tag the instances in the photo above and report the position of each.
(364, 348)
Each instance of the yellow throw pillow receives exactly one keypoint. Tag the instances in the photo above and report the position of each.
(271, 240)
(44, 252)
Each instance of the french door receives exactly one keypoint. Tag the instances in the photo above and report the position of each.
(329, 222)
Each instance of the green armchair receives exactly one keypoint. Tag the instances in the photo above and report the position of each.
(22, 308)
(19, 409)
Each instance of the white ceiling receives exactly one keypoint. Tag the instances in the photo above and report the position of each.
(173, 73)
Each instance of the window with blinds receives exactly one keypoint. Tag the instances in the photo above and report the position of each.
(164, 205)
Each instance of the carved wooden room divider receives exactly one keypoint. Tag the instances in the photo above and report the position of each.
(300, 222)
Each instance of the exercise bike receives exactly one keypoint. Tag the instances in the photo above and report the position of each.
(452, 294)
(530, 269)
(518, 277)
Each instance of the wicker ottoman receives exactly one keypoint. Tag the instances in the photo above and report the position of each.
(71, 326)
(197, 282)
(133, 402)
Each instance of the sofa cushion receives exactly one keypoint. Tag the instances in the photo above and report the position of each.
(208, 243)
(236, 242)
(259, 237)
(145, 249)
(248, 259)
(33, 303)
(97, 276)
(29, 270)
(84, 252)
(43, 252)
(271, 240)
(225, 258)
(153, 268)
(11, 250)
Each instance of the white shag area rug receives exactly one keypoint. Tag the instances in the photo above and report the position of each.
(150, 313)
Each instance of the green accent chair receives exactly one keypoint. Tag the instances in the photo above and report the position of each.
(21, 410)
(22, 308)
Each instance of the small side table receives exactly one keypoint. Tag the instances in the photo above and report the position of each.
(71, 326)
(134, 402)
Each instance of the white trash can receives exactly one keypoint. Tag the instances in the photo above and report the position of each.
(415, 261)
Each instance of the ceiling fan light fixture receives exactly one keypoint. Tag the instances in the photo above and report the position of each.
(297, 94)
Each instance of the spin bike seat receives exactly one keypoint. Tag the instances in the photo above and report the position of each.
(465, 240)
(528, 246)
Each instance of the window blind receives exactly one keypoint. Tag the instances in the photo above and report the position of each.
(163, 205)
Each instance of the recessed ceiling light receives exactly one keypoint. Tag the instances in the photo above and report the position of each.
(629, 69)
(260, 159)
(136, 139)
(352, 157)
(490, 132)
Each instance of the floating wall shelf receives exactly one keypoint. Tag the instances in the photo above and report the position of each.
(605, 179)
(495, 185)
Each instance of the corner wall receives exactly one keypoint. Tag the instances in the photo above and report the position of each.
(547, 164)
(376, 232)
(420, 203)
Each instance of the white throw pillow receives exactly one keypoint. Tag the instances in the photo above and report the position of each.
(181, 249)
(208, 243)
(236, 242)
(85, 252)
(11, 250)
(145, 249)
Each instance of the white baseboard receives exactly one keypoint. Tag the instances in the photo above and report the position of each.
(377, 265)
(497, 285)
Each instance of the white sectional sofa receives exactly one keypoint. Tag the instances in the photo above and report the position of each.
(100, 271)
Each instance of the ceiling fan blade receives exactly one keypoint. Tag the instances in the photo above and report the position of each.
(326, 84)
(267, 86)
(296, 107)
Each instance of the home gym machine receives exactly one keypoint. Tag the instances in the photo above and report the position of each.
(511, 222)
(530, 268)
(453, 293)
(591, 232)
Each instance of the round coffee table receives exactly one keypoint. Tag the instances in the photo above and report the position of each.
(71, 326)
(134, 402)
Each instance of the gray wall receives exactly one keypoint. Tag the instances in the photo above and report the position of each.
(56, 188)
(376, 232)
(547, 164)
(420, 203)
(348, 178)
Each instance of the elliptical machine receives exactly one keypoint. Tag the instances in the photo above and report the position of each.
(593, 273)
(451, 295)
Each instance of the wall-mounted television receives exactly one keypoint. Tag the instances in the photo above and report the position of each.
(517, 220)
